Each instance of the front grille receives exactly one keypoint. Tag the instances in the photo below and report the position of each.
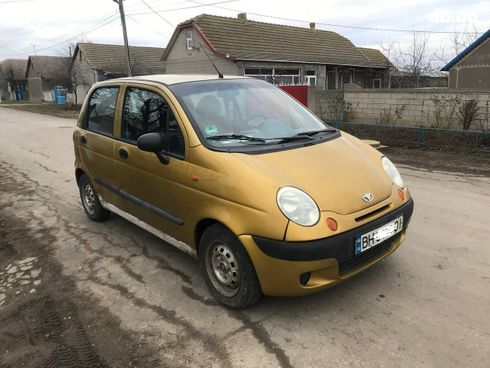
(371, 214)
(365, 257)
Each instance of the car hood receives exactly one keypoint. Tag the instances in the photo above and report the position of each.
(335, 173)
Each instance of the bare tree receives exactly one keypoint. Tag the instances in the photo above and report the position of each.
(415, 59)
(11, 82)
(75, 75)
(460, 41)
(76, 80)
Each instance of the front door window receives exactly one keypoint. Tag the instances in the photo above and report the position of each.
(147, 112)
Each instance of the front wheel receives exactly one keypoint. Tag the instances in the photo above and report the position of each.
(90, 201)
(227, 268)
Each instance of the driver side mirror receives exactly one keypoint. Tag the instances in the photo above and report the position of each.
(153, 142)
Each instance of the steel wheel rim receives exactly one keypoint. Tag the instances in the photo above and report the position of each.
(222, 268)
(88, 198)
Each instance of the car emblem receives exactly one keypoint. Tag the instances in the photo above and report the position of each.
(368, 197)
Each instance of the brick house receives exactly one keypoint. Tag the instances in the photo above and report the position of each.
(276, 53)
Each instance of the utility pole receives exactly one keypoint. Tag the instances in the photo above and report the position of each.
(125, 34)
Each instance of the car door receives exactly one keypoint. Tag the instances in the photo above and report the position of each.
(95, 139)
(149, 190)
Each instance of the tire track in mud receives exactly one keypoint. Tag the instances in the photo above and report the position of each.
(210, 342)
(44, 328)
(258, 331)
(63, 353)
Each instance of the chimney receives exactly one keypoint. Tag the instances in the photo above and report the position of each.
(312, 26)
(242, 16)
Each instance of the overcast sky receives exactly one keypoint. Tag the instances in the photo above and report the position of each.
(45, 27)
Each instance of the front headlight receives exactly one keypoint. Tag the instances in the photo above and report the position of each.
(392, 172)
(298, 206)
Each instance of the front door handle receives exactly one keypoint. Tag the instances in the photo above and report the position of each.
(123, 153)
(83, 139)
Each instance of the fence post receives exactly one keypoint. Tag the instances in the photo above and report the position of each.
(420, 139)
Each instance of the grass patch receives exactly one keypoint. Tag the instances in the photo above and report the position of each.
(62, 111)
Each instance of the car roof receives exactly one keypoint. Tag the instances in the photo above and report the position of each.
(169, 79)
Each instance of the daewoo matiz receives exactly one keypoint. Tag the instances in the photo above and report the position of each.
(239, 174)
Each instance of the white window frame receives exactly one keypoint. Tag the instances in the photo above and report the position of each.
(310, 79)
(189, 44)
(377, 79)
(274, 75)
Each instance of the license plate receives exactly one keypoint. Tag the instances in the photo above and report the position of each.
(376, 236)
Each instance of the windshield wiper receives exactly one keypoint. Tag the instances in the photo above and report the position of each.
(303, 135)
(313, 132)
(239, 137)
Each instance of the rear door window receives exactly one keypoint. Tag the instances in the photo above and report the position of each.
(102, 110)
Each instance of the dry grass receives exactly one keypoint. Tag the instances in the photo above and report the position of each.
(62, 111)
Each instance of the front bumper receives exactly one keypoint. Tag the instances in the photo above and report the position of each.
(328, 261)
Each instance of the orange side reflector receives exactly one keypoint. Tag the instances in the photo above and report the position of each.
(332, 224)
(401, 194)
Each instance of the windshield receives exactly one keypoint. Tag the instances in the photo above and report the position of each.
(239, 112)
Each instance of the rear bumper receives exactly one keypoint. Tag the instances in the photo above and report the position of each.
(279, 264)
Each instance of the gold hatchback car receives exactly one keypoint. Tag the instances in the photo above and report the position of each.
(234, 171)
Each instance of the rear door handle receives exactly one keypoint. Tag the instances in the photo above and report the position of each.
(123, 153)
(83, 139)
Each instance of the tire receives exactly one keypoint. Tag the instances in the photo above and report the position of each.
(90, 201)
(227, 268)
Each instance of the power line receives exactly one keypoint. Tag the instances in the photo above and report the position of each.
(141, 7)
(146, 26)
(15, 1)
(96, 22)
(94, 28)
(157, 13)
(187, 7)
(332, 24)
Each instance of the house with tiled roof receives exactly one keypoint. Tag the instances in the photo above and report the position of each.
(280, 54)
(44, 73)
(470, 69)
(94, 62)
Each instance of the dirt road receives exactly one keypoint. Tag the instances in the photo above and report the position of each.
(83, 294)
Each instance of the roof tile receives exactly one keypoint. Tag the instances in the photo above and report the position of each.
(252, 40)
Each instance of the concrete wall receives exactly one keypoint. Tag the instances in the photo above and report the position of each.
(35, 89)
(182, 61)
(418, 104)
(473, 71)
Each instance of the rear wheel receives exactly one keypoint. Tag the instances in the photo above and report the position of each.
(90, 200)
(227, 268)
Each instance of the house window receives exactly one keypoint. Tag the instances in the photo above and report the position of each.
(286, 76)
(331, 79)
(264, 74)
(347, 77)
(376, 83)
(275, 76)
(311, 77)
(188, 41)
